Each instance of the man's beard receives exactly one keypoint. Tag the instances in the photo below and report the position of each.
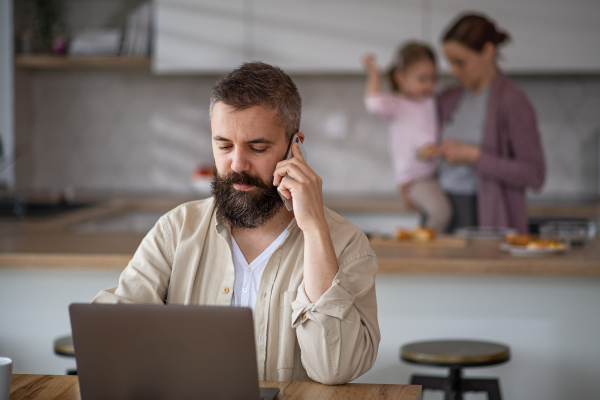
(244, 209)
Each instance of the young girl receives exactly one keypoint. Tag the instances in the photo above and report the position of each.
(411, 116)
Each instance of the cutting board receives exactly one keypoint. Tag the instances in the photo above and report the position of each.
(443, 241)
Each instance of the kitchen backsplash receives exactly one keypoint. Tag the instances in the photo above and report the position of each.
(130, 131)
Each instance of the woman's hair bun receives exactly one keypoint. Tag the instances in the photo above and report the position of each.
(501, 37)
(474, 31)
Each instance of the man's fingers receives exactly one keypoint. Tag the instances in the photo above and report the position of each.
(297, 153)
(291, 169)
(285, 186)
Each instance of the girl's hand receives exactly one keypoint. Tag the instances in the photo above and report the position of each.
(456, 152)
(370, 63)
(428, 152)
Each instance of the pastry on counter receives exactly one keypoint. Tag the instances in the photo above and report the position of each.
(519, 240)
(402, 234)
(421, 234)
(418, 234)
(544, 244)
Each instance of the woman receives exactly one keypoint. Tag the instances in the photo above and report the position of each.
(490, 145)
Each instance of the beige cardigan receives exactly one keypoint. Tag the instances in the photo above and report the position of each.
(186, 259)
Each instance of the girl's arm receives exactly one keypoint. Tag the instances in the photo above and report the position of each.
(373, 86)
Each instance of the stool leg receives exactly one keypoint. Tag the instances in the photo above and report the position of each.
(429, 382)
(453, 387)
(490, 386)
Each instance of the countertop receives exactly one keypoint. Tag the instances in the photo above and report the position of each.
(51, 243)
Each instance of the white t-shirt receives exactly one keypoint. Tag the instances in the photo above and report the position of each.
(247, 276)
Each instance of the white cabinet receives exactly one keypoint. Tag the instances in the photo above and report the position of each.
(547, 35)
(299, 36)
(331, 35)
(199, 35)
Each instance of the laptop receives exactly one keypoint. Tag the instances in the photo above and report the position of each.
(130, 352)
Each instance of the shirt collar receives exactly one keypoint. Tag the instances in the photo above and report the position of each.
(224, 230)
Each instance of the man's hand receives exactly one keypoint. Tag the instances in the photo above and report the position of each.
(456, 152)
(320, 261)
(306, 189)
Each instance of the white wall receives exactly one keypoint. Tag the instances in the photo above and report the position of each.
(550, 323)
(34, 312)
(6, 93)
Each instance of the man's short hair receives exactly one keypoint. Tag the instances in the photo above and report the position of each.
(260, 84)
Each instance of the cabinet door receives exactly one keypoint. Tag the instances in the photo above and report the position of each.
(331, 35)
(547, 35)
(199, 35)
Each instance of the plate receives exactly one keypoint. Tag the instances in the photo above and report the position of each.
(524, 251)
(484, 232)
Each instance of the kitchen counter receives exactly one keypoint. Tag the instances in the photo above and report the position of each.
(486, 258)
(52, 243)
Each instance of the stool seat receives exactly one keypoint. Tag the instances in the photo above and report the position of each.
(455, 353)
(64, 346)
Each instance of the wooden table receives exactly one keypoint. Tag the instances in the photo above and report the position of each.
(64, 387)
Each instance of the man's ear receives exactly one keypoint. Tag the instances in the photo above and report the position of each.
(300, 136)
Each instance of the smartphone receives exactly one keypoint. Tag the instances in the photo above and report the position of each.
(295, 139)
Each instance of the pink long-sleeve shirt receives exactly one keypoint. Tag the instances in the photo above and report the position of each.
(411, 124)
(512, 157)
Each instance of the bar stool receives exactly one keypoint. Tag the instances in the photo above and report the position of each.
(456, 355)
(63, 346)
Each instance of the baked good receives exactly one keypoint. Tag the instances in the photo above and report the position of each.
(544, 244)
(427, 151)
(422, 234)
(402, 234)
(519, 240)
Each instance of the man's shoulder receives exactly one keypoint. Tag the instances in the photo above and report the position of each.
(346, 235)
(191, 212)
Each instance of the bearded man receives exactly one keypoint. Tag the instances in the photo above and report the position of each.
(307, 274)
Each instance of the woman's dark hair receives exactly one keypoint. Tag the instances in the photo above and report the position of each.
(474, 31)
(407, 55)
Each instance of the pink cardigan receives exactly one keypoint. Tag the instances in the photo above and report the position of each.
(512, 158)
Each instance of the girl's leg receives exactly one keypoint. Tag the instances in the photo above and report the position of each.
(428, 197)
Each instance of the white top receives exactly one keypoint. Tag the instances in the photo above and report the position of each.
(247, 276)
(411, 124)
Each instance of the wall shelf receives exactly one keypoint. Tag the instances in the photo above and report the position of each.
(64, 62)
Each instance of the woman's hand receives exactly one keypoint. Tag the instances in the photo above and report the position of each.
(456, 152)
(305, 188)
